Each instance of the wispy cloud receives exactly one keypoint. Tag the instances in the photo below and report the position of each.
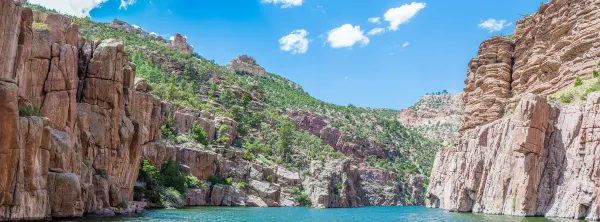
(403, 14)
(494, 25)
(285, 3)
(376, 31)
(125, 3)
(405, 44)
(375, 20)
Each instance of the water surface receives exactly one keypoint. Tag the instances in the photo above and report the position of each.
(374, 214)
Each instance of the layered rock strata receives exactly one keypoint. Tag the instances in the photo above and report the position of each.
(540, 160)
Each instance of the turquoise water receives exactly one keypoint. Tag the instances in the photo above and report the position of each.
(374, 214)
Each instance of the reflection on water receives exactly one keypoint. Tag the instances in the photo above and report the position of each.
(375, 214)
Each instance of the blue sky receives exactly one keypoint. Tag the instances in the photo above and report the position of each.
(327, 54)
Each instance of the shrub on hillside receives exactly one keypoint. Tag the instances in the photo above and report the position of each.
(578, 81)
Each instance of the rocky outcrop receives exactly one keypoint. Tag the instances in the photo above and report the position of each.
(540, 160)
(437, 117)
(333, 184)
(246, 64)
(83, 155)
(488, 82)
(179, 43)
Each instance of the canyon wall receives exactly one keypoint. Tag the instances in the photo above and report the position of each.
(519, 154)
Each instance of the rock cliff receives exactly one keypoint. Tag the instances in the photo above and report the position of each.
(519, 154)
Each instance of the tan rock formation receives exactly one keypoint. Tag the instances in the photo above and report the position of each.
(246, 64)
(180, 43)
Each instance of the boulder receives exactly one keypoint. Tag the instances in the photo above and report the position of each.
(64, 191)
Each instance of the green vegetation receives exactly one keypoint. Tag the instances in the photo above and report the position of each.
(577, 94)
(511, 37)
(301, 198)
(164, 187)
(223, 135)
(103, 173)
(578, 81)
(220, 180)
(269, 179)
(198, 134)
(168, 130)
(30, 110)
(40, 26)
(566, 98)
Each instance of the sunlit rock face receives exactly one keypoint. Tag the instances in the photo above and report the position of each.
(518, 154)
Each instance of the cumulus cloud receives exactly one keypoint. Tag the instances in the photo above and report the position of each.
(285, 3)
(494, 25)
(375, 20)
(135, 26)
(172, 38)
(125, 3)
(405, 44)
(296, 42)
(346, 36)
(376, 31)
(79, 8)
(403, 14)
(154, 34)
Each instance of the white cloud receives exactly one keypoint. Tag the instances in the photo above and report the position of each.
(346, 36)
(296, 42)
(403, 14)
(135, 26)
(125, 3)
(285, 3)
(494, 25)
(345, 78)
(405, 44)
(376, 31)
(172, 38)
(154, 34)
(375, 20)
(79, 8)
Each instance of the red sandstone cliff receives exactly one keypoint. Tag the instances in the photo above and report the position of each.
(519, 154)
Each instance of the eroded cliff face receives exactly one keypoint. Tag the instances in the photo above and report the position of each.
(82, 155)
(518, 154)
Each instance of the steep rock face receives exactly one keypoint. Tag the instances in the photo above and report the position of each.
(438, 117)
(383, 188)
(556, 44)
(180, 43)
(246, 64)
(541, 159)
(83, 155)
(539, 162)
(488, 82)
(333, 184)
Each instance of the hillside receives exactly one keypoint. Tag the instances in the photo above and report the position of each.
(437, 116)
(123, 119)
